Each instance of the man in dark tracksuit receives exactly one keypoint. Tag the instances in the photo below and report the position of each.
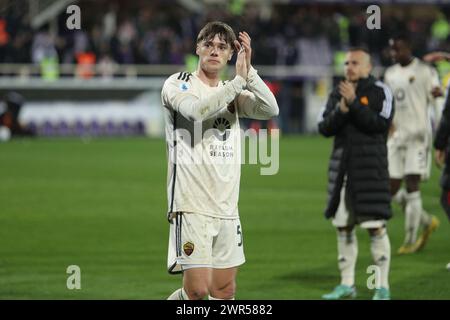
(358, 114)
(442, 154)
(441, 144)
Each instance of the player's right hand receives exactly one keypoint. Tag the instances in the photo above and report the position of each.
(343, 106)
(347, 91)
(439, 157)
(241, 64)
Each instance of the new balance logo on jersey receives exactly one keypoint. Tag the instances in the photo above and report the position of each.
(223, 128)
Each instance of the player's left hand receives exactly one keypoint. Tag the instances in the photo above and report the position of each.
(391, 130)
(347, 91)
(436, 92)
(246, 43)
(241, 61)
(436, 56)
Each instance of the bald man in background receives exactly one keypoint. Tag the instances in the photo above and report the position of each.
(358, 115)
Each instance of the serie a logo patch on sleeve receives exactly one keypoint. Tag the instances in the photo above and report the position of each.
(184, 86)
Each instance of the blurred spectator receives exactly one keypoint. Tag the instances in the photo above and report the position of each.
(106, 66)
(43, 46)
(10, 117)
(4, 38)
(85, 65)
(110, 22)
(297, 110)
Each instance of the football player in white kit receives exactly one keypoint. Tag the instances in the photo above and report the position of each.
(415, 86)
(203, 143)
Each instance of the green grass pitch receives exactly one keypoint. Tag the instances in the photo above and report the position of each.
(101, 205)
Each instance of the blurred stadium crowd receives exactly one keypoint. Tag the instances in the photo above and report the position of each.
(157, 35)
(163, 32)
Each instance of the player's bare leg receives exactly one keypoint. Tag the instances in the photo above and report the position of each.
(195, 285)
(196, 282)
(347, 255)
(412, 183)
(223, 284)
(380, 247)
(395, 186)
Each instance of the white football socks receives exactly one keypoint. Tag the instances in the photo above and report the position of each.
(413, 213)
(425, 218)
(381, 254)
(212, 298)
(400, 197)
(178, 294)
(347, 254)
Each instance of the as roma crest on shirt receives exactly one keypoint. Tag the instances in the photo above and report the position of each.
(188, 248)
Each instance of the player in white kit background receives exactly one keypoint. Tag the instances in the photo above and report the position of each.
(203, 144)
(415, 86)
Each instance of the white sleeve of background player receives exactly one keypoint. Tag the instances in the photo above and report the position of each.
(436, 103)
(257, 102)
(178, 96)
(387, 78)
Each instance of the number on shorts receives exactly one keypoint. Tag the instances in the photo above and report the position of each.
(239, 232)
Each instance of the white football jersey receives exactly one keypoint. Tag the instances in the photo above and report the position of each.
(411, 86)
(204, 141)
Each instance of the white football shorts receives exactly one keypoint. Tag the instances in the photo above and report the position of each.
(197, 240)
(412, 158)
